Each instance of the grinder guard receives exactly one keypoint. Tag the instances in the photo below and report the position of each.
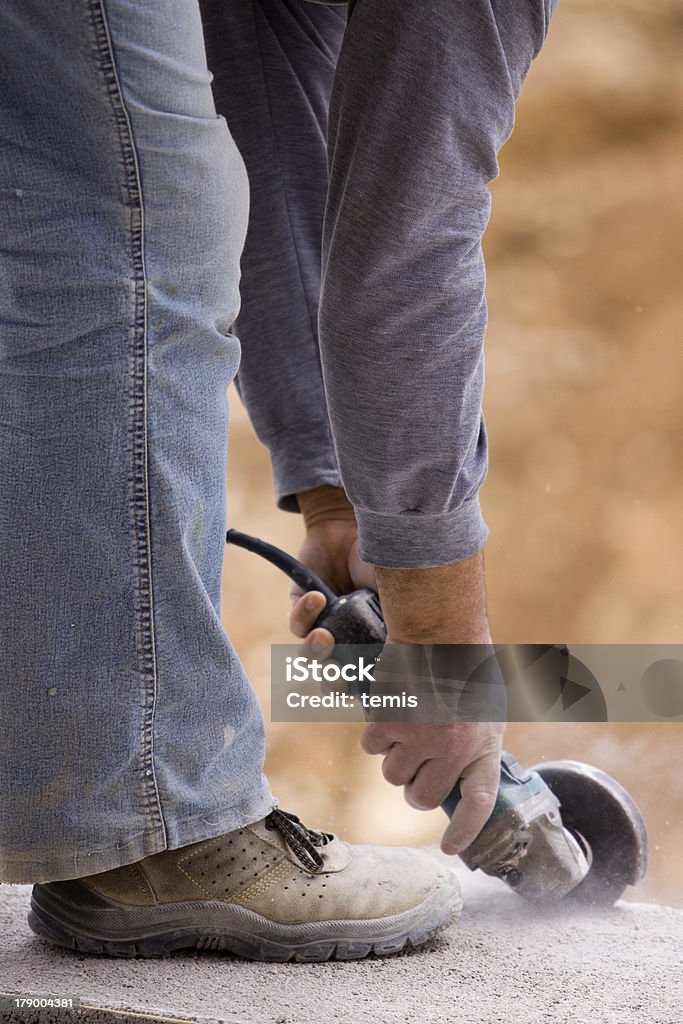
(561, 829)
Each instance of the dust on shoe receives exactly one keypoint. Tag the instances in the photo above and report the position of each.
(275, 890)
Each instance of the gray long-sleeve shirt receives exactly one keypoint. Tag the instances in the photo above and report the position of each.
(421, 97)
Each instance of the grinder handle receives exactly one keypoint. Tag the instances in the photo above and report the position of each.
(513, 779)
(354, 618)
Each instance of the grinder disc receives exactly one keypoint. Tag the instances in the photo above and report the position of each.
(606, 821)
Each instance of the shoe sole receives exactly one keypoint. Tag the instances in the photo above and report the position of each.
(114, 929)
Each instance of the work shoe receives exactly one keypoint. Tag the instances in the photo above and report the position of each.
(275, 890)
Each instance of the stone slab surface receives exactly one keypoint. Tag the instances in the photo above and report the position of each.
(504, 961)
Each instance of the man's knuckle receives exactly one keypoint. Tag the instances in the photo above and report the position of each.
(392, 774)
(425, 803)
(482, 799)
(421, 798)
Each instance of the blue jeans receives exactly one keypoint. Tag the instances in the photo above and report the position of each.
(127, 722)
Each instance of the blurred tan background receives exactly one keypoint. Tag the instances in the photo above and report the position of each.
(583, 401)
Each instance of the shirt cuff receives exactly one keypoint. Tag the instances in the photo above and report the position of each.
(413, 540)
(307, 470)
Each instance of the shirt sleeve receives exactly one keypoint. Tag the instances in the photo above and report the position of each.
(423, 99)
(273, 65)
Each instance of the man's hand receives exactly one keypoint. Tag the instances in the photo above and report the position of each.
(428, 758)
(441, 605)
(331, 551)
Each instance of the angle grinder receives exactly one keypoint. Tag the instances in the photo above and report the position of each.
(562, 829)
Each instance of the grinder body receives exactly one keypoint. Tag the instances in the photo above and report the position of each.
(524, 842)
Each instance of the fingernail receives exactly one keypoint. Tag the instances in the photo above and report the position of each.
(318, 648)
(310, 602)
(450, 850)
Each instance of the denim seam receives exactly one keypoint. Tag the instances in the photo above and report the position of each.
(139, 478)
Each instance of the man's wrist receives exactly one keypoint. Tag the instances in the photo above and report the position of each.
(445, 604)
(324, 503)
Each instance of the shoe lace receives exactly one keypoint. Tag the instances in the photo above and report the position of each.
(301, 840)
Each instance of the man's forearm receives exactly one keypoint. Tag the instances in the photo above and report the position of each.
(444, 605)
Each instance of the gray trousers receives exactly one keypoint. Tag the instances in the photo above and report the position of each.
(369, 148)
